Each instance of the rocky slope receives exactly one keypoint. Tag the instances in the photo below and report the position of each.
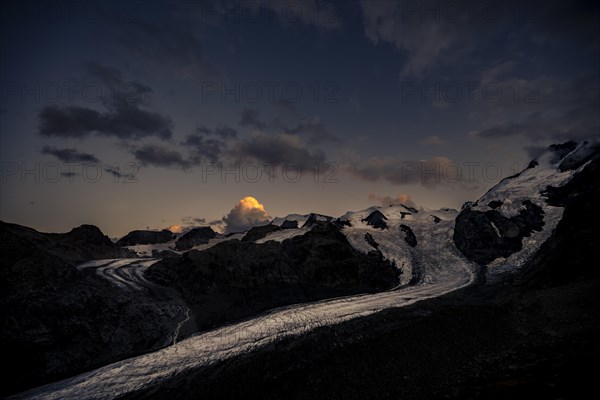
(506, 226)
(145, 237)
(194, 237)
(56, 320)
(80, 244)
(236, 279)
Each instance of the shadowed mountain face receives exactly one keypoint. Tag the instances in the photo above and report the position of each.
(237, 279)
(194, 237)
(259, 232)
(485, 236)
(145, 237)
(84, 243)
(376, 219)
(498, 223)
(56, 320)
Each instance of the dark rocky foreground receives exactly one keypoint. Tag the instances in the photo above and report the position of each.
(237, 279)
(533, 335)
(58, 321)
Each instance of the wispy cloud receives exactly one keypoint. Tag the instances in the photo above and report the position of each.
(70, 155)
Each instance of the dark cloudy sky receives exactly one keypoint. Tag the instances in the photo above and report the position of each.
(150, 114)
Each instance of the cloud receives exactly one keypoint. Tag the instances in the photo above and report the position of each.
(433, 172)
(277, 150)
(544, 110)
(225, 132)
(535, 151)
(193, 221)
(437, 34)
(248, 212)
(387, 201)
(287, 106)
(172, 47)
(123, 116)
(203, 130)
(207, 144)
(434, 140)
(127, 122)
(188, 223)
(70, 155)
(425, 41)
(203, 148)
(159, 156)
(175, 228)
(217, 225)
(310, 127)
(109, 76)
(250, 119)
(115, 172)
(313, 129)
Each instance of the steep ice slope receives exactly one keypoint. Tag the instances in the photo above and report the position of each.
(280, 236)
(417, 263)
(518, 195)
(300, 218)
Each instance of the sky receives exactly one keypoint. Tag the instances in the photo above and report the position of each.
(147, 115)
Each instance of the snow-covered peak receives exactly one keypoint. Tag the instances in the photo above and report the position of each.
(508, 224)
(300, 218)
(554, 167)
(411, 238)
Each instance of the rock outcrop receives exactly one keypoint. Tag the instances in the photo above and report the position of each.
(145, 237)
(86, 242)
(259, 232)
(194, 237)
(235, 279)
(409, 235)
(483, 236)
(377, 220)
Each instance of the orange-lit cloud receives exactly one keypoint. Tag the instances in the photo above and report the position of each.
(248, 212)
(386, 201)
(176, 228)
